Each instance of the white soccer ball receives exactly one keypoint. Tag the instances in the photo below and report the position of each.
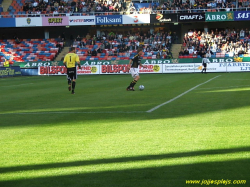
(141, 87)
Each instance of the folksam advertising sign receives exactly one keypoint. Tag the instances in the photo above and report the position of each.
(82, 20)
(241, 15)
(219, 16)
(7, 22)
(55, 21)
(29, 22)
(109, 20)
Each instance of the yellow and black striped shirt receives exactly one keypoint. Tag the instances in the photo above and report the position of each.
(136, 61)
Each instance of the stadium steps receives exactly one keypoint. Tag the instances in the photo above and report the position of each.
(6, 4)
(64, 51)
(176, 48)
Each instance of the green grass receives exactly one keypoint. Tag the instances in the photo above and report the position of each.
(103, 136)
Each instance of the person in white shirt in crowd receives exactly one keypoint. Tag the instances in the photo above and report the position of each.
(242, 33)
(35, 4)
(227, 9)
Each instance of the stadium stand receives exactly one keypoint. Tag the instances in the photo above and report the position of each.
(29, 50)
(20, 8)
(221, 43)
(156, 45)
(23, 8)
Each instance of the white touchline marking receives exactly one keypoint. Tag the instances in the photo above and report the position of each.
(107, 112)
(169, 101)
(17, 85)
(228, 87)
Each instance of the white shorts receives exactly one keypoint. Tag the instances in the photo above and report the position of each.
(134, 72)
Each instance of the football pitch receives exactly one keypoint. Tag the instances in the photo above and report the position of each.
(181, 130)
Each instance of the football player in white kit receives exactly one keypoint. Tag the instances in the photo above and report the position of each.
(134, 63)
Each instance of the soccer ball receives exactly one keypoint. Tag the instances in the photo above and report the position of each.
(141, 87)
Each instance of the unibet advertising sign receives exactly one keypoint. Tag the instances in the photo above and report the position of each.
(219, 16)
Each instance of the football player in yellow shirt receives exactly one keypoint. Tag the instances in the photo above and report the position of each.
(70, 61)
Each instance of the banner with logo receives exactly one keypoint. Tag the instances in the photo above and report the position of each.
(143, 61)
(55, 21)
(193, 68)
(29, 22)
(82, 20)
(61, 70)
(109, 20)
(123, 69)
(10, 71)
(136, 19)
(219, 16)
(241, 15)
(191, 17)
(60, 63)
(163, 18)
(7, 22)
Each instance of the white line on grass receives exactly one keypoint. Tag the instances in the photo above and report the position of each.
(17, 85)
(212, 88)
(98, 112)
(169, 101)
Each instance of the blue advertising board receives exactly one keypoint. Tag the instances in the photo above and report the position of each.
(7, 22)
(241, 15)
(109, 20)
(10, 71)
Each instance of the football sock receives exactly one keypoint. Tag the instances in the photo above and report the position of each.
(132, 84)
(69, 81)
(73, 85)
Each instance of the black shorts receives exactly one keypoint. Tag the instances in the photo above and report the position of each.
(71, 73)
(204, 65)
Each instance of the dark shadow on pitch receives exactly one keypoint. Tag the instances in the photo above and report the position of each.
(162, 176)
(124, 159)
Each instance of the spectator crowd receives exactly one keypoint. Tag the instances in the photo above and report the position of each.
(71, 6)
(230, 42)
(56, 7)
(114, 44)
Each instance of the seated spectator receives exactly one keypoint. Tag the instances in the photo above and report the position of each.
(55, 13)
(115, 53)
(35, 4)
(110, 53)
(88, 36)
(186, 52)
(99, 50)
(89, 52)
(158, 56)
(82, 44)
(59, 46)
(78, 38)
(17, 40)
(94, 53)
(181, 53)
